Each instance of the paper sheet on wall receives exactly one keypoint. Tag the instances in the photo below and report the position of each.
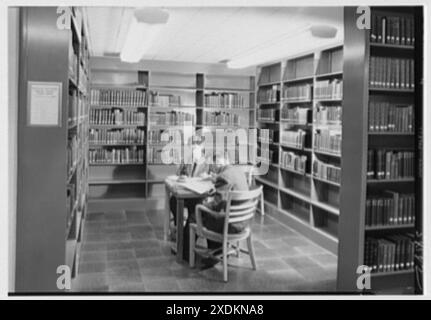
(44, 103)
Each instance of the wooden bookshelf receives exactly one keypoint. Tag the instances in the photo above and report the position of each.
(305, 202)
(362, 47)
(52, 195)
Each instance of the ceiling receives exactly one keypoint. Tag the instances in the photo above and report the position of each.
(210, 34)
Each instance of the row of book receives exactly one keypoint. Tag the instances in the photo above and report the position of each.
(390, 164)
(329, 89)
(224, 100)
(293, 161)
(265, 155)
(155, 137)
(122, 136)
(392, 29)
(390, 253)
(391, 117)
(116, 116)
(269, 95)
(301, 92)
(266, 114)
(164, 100)
(328, 115)
(327, 141)
(172, 118)
(220, 119)
(116, 155)
(154, 156)
(266, 135)
(390, 208)
(326, 171)
(296, 115)
(295, 139)
(392, 73)
(116, 97)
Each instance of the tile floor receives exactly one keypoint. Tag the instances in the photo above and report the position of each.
(124, 251)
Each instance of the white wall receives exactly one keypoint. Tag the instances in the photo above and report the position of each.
(13, 59)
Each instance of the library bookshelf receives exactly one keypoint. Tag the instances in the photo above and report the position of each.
(170, 100)
(382, 168)
(300, 101)
(52, 195)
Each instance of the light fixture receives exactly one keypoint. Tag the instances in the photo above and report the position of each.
(300, 40)
(144, 28)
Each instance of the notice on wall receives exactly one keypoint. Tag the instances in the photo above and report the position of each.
(44, 103)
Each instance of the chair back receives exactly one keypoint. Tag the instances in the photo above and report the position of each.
(241, 206)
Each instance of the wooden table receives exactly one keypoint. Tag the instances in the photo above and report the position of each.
(181, 194)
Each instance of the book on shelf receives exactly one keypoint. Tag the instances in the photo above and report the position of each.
(392, 29)
(390, 117)
(73, 108)
(295, 139)
(328, 89)
(391, 73)
(302, 92)
(266, 135)
(116, 136)
(389, 253)
(390, 208)
(269, 95)
(171, 118)
(296, 115)
(327, 140)
(164, 100)
(121, 155)
(383, 164)
(266, 114)
(224, 100)
(220, 118)
(116, 117)
(116, 97)
(72, 153)
(293, 161)
(265, 155)
(328, 115)
(326, 171)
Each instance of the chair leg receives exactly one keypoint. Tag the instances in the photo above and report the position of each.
(225, 261)
(251, 252)
(192, 245)
(262, 205)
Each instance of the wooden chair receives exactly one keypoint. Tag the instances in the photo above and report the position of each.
(241, 207)
(249, 175)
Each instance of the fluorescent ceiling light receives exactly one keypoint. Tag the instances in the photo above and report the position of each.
(145, 27)
(296, 42)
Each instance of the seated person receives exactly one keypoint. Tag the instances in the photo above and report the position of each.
(227, 178)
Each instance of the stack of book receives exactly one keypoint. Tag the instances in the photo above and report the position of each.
(326, 171)
(298, 93)
(390, 164)
(131, 98)
(390, 208)
(392, 73)
(295, 115)
(388, 254)
(293, 161)
(123, 136)
(173, 118)
(295, 139)
(164, 100)
(328, 115)
(329, 89)
(385, 116)
(116, 116)
(269, 95)
(224, 100)
(116, 155)
(220, 119)
(392, 29)
(266, 114)
(326, 140)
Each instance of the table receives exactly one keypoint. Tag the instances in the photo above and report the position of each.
(181, 194)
